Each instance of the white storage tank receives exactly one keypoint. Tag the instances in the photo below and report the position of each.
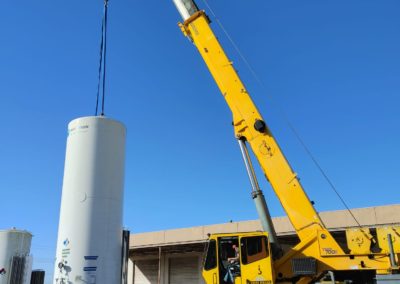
(15, 246)
(90, 229)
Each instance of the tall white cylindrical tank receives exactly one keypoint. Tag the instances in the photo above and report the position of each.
(13, 243)
(90, 228)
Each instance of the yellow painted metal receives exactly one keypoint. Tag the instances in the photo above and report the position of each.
(382, 233)
(255, 272)
(359, 240)
(331, 257)
(211, 276)
(318, 245)
(260, 271)
(274, 164)
(315, 240)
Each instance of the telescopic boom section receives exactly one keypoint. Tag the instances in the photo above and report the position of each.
(248, 122)
(186, 8)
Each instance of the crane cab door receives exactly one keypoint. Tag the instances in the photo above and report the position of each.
(238, 260)
(210, 265)
(256, 260)
(222, 261)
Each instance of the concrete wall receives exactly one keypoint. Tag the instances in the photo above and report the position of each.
(334, 220)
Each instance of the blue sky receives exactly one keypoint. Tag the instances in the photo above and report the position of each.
(332, 66)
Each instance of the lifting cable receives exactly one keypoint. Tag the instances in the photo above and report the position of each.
(102, 62)
(282, 113)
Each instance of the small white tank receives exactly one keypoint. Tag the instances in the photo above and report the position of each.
(90, 230)
(14, 244)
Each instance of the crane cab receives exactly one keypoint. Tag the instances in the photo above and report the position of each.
(243, 258)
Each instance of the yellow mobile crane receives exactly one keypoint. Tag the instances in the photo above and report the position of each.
(257, 257)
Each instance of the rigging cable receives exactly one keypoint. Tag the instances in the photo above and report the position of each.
(282, 113)
(102, 62)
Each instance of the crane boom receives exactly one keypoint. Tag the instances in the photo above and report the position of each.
(318, 251)
(251, 127)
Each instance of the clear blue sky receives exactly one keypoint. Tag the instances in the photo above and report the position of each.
(333, 66)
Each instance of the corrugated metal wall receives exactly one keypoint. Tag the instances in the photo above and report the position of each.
(145, 271)
(184, 270)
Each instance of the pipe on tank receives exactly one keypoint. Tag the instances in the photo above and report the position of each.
(125, 256)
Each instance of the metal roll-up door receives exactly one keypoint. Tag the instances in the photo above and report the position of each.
(184, 270)
(146, 271)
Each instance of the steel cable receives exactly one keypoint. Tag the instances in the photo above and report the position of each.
(281, 112)
(102, 61)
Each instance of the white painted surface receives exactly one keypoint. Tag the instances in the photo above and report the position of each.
(130, 270)
(13, 243)
(90, 228)
(28, 270)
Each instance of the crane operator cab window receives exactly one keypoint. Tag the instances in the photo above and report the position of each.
(227, 258)
(222, 261)
(230, 259)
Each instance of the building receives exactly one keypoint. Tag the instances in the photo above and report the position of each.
(175, 256)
